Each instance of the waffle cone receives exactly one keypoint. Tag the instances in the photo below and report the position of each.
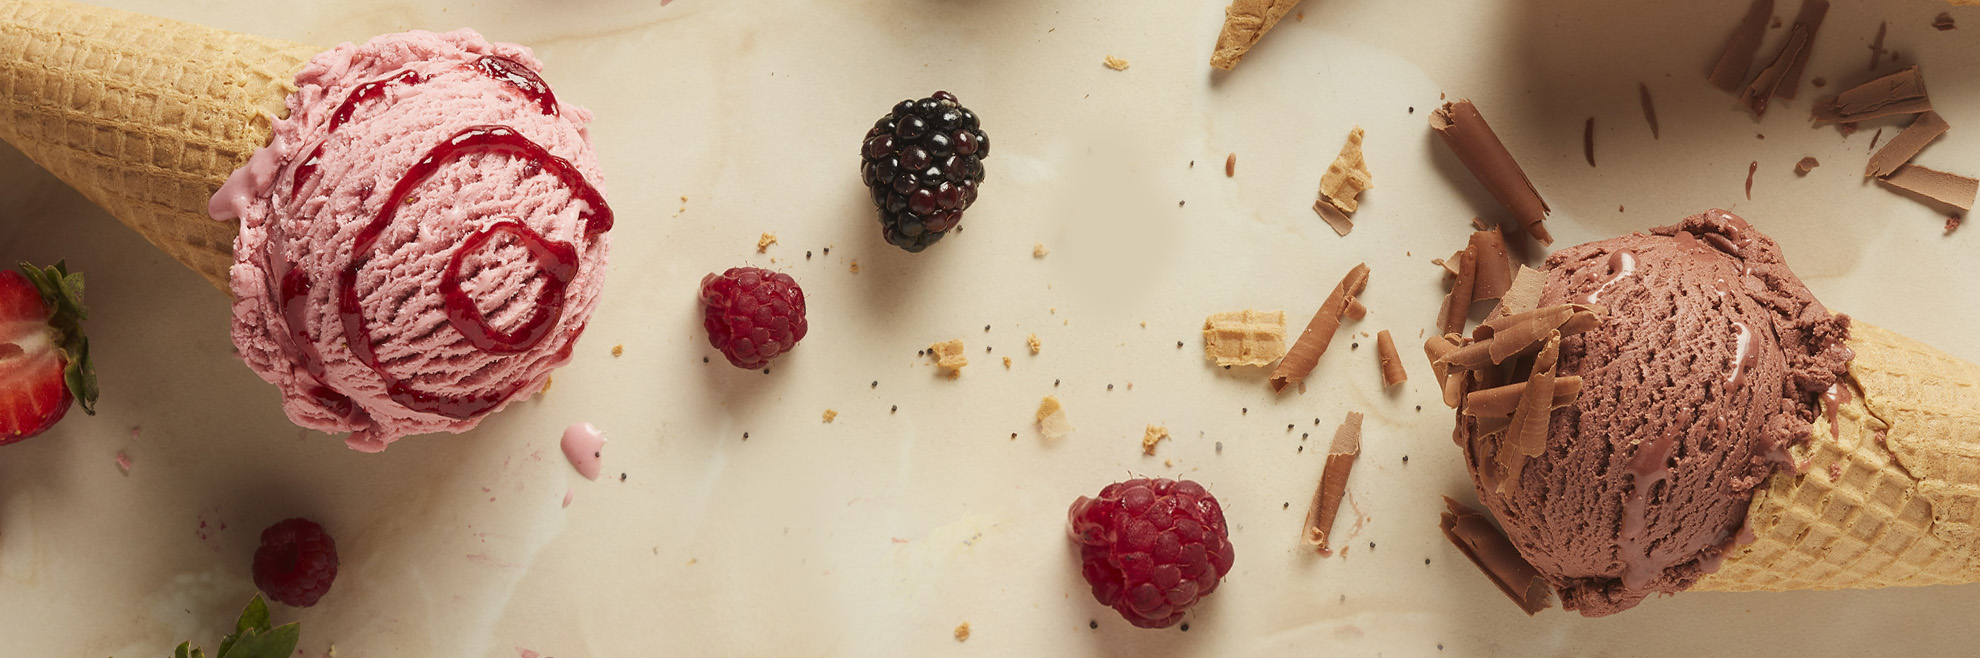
(1890, 497)
(145, 116)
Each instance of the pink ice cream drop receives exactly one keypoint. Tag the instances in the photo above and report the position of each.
(584, 446)
(422, 241)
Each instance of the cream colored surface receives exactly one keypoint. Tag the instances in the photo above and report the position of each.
(880, 533)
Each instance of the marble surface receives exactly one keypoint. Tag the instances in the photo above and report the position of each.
(880, 532)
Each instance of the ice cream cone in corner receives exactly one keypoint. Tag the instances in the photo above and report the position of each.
(146, 117)
(1888, 489)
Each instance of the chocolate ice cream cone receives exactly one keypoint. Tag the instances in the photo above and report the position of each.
(146, 117)
(1887, 490)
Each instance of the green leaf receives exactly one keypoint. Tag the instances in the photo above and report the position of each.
(278, 642)
(63, 293)
(184, 650)
(253, 618)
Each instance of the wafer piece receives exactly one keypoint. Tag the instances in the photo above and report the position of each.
(1246, 21)
(146, 117)
(1245, 338)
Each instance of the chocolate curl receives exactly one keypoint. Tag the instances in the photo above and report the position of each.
(1340, 223)
(1466, 132)
(1355, 310)
(1501, 402)
(1934, 185)
(1494, 266)
(1812, 13)
(1524, 295)
(1489, 550)
(1305, 353)
(1385, 353)
(1514, 335)
(1526, 437)
(1927, 127)
(1902, 92)
(1757, 94)
(1457, 304)
(1333, 483)
(1740, 49)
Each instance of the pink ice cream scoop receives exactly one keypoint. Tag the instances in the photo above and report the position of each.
(422, 241)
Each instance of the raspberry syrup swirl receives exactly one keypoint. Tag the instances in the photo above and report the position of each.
(556, 259)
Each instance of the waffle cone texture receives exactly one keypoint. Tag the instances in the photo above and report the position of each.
(145, 116)
(1890, 497)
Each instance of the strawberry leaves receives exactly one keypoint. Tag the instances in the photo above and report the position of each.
(254, 636)
(63, 294)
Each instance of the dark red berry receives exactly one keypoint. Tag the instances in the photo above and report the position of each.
(296, 562)
(1151, 547)
(922, 162)
(752, 315)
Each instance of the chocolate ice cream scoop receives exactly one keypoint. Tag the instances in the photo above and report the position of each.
(1709, 364)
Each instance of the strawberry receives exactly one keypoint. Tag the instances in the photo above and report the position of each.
(44, 356)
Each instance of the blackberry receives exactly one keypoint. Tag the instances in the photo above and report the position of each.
(923, 163)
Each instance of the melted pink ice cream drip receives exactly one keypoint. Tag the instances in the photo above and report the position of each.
(422, 241)
(584, 445)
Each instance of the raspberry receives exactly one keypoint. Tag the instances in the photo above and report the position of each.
(753, 314)
(1151, 548)
(923, 162)
(296, 562)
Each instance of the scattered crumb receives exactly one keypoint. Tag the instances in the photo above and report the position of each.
(548, 380)
(1155, 433)
(855, 267)
(618, 350)
(1038, 250)
(1806, 165)
(1301, 16)
(1032, 341)
(1819, 82)
(1944, 21)
(1007, 363)
(1116, 63)
(1230, 165)
(830, 414)
(1052, 421)
(763, 243)
(949, 357)
(962, 632)
(1953, 222)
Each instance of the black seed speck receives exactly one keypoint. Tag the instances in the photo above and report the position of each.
(1185, 627)
(828, 251)
(622, 477)
(1371, 545)
(1303, 436)
(745, 436)
(1227, 367)
(1412, 109)
(876, 384)
(766, 371)
(1244, 410)
(1426, 560)
(1055, 383)
(704, 359)
(807, 254)
(1178, 344)
(1285, 505)
(1289, 427)
(1405, 459)
(1110, 387)
(986, 349)
(986, 328)
(896, 409)
(1302, 449)
(1354, 346)
(1220, 447)
(1093, 624)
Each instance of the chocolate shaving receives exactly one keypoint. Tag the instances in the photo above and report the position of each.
(1305, 353)
(1451, 264)
(1588, 141)
(1524, 295)
(1902, 92)
(1489, 550)
(1355, 310)
(1385, 353)
(1508, 336)
(1950, 189)
(1812, 13)
(1874, 137)
(1457, 304)
(1906, 145)
(1527, 436)
(1944, 21)
(1492, 270)
(1737, 57)
(1468, 136)
(1333, 482)
(1333, 217)
(1806, 165)
(1436, 349)
(1877, 44)
(1750, 168)
(1769, 81)
(1502, 401)
(1649, 109)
